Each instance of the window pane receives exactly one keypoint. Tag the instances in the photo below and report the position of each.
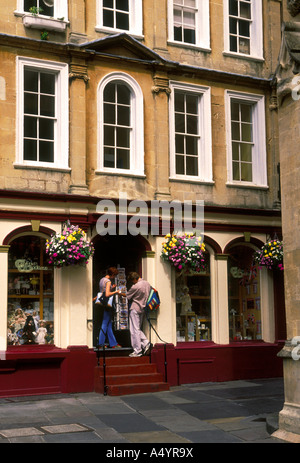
(46, 129)
(233, 25)
(30, 150)
(235, 151)
(30, 127)
(178, 33)
(235, 131)
(47, 106)
(189, 36)
(179, 102)
(246, 152)
(123, 159)
(235, 114)
(46, 151)
(109, 113)
(179, 123)
(29, 3)
(108, 18)
(179, 141)
(191, 104)
(236, 171)
(245, 10)
(244, 28)
(233, 43)
(122, 21)
(123, 115)
(180, 165)
(47, 83)
(108, 3)
(233, 7)
(109, 157)
(192, 124)
(47, 10)
(246, 113)
(122, 5)
(30, 81)
(109, 93)
(247, 132)
(246, 172)
(191, 165)
(244, 46)
(192, 145)
(30, 103)
(109, 136)
(123, 137)
(123, 94)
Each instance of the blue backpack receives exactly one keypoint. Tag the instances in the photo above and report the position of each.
(153, 301)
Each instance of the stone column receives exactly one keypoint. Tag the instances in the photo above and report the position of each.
(78, 80)
(161, 92)
(3, 299)
(219, 315)
(288, 86)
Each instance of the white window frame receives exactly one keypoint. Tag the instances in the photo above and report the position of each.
(135, 19)
(60, 9)
(259, 150)
(256, 31)
(205, 140)
(202, 26)
(61, 144)
(137, 125)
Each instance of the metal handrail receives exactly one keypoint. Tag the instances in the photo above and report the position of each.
(164, 343)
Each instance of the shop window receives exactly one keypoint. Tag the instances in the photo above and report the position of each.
(193, 305)
(244, 295)
(30, 293)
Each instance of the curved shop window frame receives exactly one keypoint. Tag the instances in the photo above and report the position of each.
(30, 301)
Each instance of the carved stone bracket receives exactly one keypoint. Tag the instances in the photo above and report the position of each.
(79, 71)
(161, 84)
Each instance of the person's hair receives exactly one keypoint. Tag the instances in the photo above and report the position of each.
(112, 271)
(133, 276)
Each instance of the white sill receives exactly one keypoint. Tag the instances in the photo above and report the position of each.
(42, 167)
(112, 31)
(232, 54)
(190, 46)
(120, 174)
(192, 180)
(247, 185)
(44, 22)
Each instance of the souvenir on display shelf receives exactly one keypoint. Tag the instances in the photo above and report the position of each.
(30, 293)
(121, 314)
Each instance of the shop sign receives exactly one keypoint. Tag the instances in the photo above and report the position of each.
(26, 266)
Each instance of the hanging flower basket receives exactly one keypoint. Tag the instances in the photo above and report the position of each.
(69, 247)
(270, 255)
(184, 252)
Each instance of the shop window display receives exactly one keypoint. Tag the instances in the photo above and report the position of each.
(244, 295)
(193, 305)
(30, 293)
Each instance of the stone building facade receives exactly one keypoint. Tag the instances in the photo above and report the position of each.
(152, 101)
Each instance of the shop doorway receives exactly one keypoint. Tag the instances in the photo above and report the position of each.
(115, 251)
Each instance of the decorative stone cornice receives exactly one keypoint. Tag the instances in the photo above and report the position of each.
(161, 84)
(79, 71)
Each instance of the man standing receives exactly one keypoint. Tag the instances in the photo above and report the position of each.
(138, 295)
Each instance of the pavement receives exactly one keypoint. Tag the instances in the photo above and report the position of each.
(227, 412)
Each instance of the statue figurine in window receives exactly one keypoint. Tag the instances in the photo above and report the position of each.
(186, 303)
(29, 332)
(41, 333)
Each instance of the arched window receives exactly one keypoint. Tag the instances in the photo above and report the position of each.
(121, 146)
(30, 293)
(193, 305)
(244, 294)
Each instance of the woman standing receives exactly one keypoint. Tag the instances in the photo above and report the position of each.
(105, 285)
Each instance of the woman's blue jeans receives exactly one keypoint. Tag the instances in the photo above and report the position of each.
(106, 329)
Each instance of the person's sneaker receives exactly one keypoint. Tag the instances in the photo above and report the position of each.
(147, 349)
(135, 354)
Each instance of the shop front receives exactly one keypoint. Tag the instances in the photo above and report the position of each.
(225, 322)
